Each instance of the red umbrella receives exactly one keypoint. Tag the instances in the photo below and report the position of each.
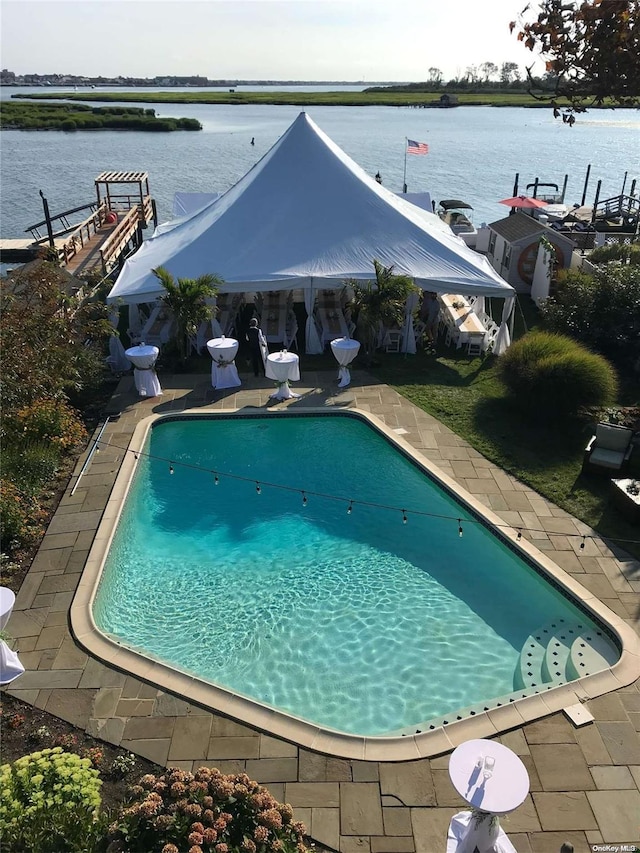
(523, 201)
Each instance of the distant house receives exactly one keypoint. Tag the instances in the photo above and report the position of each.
(447, 100)
(513, 248)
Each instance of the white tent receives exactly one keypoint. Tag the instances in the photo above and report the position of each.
(307, 216)
(186, 204)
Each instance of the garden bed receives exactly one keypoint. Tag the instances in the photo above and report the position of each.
(26, 729)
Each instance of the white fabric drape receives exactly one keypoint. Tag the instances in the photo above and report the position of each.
(10, 666)
(264, 348)
(117, 359)
(478, 305)
(466, 835)
(503, 339)
(135, 321)
(408, 331)
(313, 344)
(216, 328)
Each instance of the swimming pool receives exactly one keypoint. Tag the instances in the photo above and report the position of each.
(356, 621)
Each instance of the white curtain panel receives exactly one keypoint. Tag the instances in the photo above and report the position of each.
(408, 332)
(503, 339)
(313, 343)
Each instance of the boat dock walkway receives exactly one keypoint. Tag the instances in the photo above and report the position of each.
(110, 230)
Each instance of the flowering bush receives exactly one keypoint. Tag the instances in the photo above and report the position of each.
(204, 811)
(95, 756)
(49, 801)
(66, 741)
(122, 765)
(15, 721)
(41, 735)
(52, 421)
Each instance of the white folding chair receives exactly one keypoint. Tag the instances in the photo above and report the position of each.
(393, 340)
(475, 343)
(490, 337)
(452, 336)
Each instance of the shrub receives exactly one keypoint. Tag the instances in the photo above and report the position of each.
(551, 376)
(205, 811)
(68, 125)
(17, 517)
(49, 801)
(52, 421)
(30, 466)
(624, 252)
(601, 311)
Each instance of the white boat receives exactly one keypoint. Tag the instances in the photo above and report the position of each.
(459, 217)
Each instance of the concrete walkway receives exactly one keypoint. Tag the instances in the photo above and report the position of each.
(584, 781)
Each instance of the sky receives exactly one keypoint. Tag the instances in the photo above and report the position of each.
(349, 40)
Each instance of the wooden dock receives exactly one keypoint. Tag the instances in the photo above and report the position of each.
(110, 230)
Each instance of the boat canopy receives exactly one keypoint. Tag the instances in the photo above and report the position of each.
(455, 203)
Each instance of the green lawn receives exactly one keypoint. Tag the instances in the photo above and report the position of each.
(467, 396)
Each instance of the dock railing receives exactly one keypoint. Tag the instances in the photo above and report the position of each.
(117, 241)
(76, 236)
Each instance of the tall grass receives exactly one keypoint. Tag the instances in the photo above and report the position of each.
(551, 376)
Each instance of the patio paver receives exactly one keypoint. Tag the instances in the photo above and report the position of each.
(585, 782)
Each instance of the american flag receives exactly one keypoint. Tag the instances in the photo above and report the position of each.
(414, 147)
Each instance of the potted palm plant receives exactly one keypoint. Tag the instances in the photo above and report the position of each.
(379, 303)
(186, 299)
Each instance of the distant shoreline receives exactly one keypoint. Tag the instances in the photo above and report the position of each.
(430, 100)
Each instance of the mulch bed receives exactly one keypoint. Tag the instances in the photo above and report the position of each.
(20, 736)
(20, 725)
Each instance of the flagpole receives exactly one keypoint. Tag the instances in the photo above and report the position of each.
(404, 178)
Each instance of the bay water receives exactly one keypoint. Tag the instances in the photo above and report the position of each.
(474, 153)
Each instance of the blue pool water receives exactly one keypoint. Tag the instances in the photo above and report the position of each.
(357, 622)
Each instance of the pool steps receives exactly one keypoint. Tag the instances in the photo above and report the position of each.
(562, 651)
(558, 652)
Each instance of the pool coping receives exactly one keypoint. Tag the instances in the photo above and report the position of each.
(311, 736)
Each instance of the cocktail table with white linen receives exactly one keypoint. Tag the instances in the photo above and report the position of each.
(494, 781)
(345, 350)
(224, 373)
(10, 666)
(143, 357)
(283, 367)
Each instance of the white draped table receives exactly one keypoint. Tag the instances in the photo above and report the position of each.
(492, 779)
(283, 367)
(345, 350)
(143, 358)
(224, 373)
(10, 666)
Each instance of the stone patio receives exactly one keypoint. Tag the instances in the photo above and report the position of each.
(585, 782)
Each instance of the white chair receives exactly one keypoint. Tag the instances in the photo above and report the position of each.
(393, 340)
(452, 336)
(475, 343)
(420, 330)
(490, 337)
